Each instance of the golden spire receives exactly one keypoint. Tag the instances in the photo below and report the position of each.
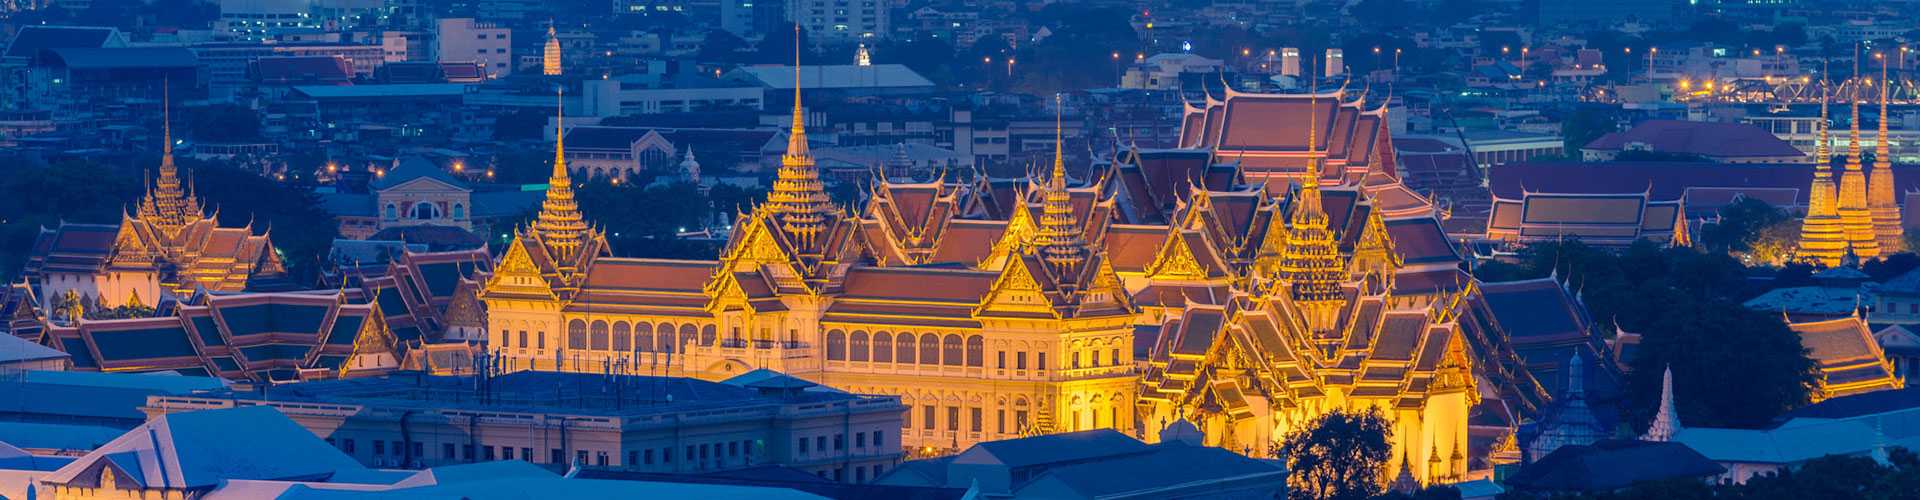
(560, 225)
(1881, 206)
(167, 205)
(798, 199)
(1823, 240)
(1059, 239)
(1311, 263)
(1822, 152)
(1854, 215)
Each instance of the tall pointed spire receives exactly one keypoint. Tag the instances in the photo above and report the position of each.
(1881, 205)
(1059, 238)
(167, 205)
(1666, 423)
(798, 198)
(1854, 215)
(1823, 240)
(560, 225)
(1310, 263)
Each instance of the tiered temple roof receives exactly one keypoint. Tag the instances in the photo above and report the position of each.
(423, 294)
(1850, 360)
(168, 235)
(265, 337)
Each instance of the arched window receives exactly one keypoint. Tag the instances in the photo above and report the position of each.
(689, 334)
(1116, 356)
(459, 211)
(1093, 416)
(903, 348)
(393, 213)
(930, 349)
(708, 334)
(836, 346)
(425, 211)
(951, 353)
(577, 334)
(883, 347)
(666, 339)
(598, 337)
(976, 351)
(857, 346)
(642, 337)
(621, 341)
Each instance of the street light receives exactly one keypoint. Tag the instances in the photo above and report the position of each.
(1650, 52)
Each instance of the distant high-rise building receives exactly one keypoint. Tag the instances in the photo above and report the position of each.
(842, 19)
(462, 40)
(1290, 61)
(747, 18)
(1336, 63)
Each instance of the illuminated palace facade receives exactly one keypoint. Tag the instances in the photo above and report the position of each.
(1196, 283)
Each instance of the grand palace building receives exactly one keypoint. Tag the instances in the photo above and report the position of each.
(1271, 269)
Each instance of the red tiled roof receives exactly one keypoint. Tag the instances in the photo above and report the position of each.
(1668, 181)
(1708, 139)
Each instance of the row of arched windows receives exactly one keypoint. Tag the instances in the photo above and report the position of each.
(425, 211)
(906, 348)
(638, 337)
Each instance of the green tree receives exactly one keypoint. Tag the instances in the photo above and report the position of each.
(1890, 266)
(225, 123)
(645, 221)
(1732, 366)
(1741, 226)
(1585, 124)
(721, 46)
(523, 124)
(1342, 455)
(35, 196)
(301, 231)
(1850, 477)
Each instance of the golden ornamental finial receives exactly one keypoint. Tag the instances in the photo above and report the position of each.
(1059, 179)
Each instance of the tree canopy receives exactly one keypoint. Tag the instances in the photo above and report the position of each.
(1827, 477)
(1342, 455)
(1732, 366)
(1753, 230)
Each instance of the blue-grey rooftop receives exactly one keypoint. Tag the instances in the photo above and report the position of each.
(533, 392)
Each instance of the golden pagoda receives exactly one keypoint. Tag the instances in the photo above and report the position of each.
(559, 225)
(1823, 239)
(550, 55)
(1882, 206)
(167, 206)
(548, 260)
(1310, 265)
(1854, 215)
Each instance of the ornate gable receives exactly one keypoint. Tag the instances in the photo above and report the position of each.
(1020, 230)
(1176, 260)
(1017, 291)
(518, 274)
(373, 340)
